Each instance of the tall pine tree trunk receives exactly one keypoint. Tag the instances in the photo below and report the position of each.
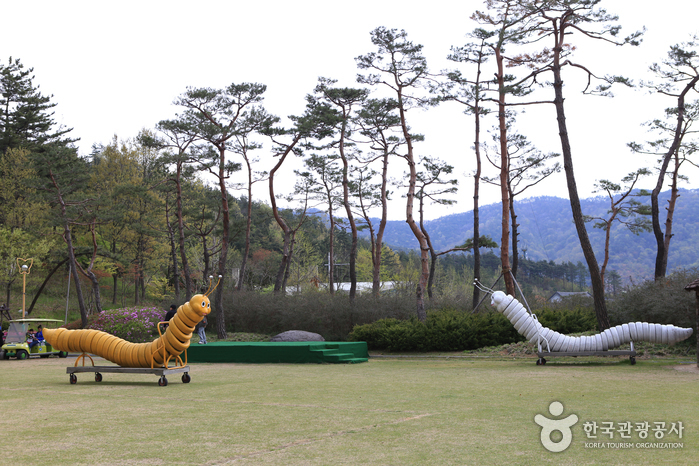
(661, 255)
(248, 232)
(350, 216)
(220, 318)
(476, 220)
(382, 227)
(595, 278)
(515, 235)
(188, 285)
(504, 177)
(672, 202)
(331, 250)
(173, 254)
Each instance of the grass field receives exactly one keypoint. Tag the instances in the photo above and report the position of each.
(392, 411)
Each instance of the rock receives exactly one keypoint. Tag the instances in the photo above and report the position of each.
(297, 335)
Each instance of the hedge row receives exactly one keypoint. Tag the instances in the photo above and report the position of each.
(458, 331)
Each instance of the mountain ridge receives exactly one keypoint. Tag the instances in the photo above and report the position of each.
(546, 232)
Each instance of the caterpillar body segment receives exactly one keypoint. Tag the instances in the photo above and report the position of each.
(532, 330)
(169, 345)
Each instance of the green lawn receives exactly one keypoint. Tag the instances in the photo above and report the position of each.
(388, 411)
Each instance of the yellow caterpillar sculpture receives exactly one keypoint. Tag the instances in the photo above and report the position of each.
(126, 354)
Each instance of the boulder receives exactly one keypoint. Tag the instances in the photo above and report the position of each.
(297, 335)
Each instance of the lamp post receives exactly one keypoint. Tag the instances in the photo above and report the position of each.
(24, 269)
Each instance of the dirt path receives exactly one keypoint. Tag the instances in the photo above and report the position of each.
(687, 368)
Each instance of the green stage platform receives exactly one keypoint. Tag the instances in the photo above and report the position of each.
(296, 352)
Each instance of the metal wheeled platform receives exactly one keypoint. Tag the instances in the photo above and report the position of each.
(544, 354)
(159, 371)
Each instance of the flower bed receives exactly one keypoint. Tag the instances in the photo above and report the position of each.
(137, 325)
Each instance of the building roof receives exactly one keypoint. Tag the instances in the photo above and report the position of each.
(566, 294)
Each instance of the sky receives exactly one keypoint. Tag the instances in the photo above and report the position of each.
(115, 68)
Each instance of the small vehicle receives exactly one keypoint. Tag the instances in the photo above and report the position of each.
(20, 344)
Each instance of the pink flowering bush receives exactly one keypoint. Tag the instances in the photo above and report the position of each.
(137, 325)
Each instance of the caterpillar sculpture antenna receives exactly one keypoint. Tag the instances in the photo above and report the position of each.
(157, 353)
(528, 326)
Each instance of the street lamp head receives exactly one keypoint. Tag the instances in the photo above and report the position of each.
(25, 268)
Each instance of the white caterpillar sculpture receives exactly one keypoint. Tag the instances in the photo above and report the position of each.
(532, 330)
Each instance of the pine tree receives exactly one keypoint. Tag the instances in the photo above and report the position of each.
(25, 113)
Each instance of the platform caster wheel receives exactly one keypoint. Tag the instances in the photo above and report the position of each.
(98, 377)
(186, 378)
(162, 382)
(73, 379)
(633, 360)
(540, 362)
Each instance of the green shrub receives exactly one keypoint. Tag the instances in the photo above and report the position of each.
(443, 331)
(450, 330)
(566, 322)
(375, 334)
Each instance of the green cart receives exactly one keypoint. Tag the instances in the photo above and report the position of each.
(20, 345)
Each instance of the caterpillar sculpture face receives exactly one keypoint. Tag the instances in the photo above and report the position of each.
(532, 330)
(126, 354)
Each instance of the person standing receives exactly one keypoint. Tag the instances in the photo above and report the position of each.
(171, 313)
(201, 330)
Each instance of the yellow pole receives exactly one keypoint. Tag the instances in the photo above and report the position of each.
(24, 269)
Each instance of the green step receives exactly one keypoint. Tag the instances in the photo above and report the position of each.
(331, 353)
(339, 357)
(290, 352)
(325, 351)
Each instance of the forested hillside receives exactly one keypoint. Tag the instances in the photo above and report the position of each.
(547, 233)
